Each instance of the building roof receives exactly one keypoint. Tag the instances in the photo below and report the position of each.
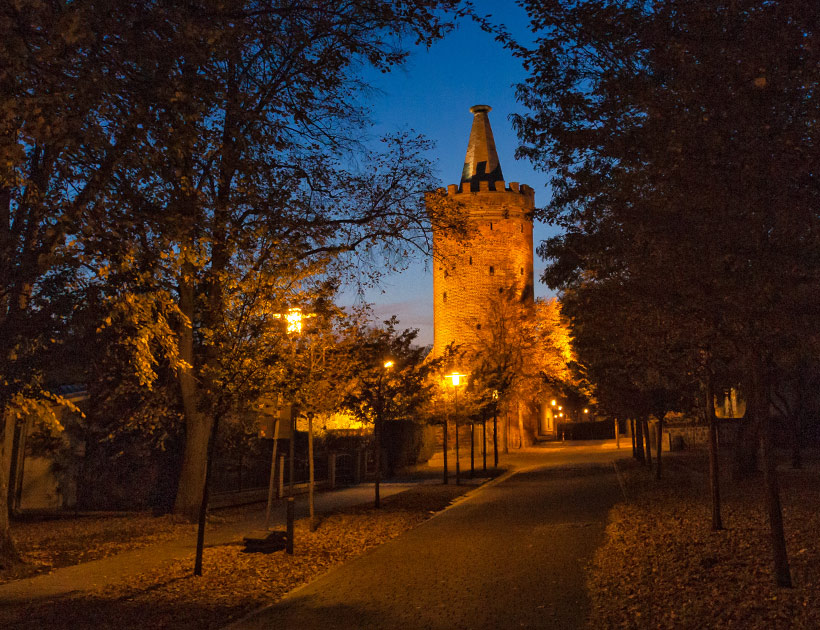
(481, 162)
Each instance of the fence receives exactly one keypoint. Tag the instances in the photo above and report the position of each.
(246, 480)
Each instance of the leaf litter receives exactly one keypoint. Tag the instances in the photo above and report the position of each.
(234, 583)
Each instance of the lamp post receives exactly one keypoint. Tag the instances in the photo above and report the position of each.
(377, 429)
(293, 325)
(484, 440)
(294, 318)
(455, 377)
(444, 439)
(472, 448)
(495, 428)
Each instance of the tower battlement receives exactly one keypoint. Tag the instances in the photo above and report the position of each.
(487, 186)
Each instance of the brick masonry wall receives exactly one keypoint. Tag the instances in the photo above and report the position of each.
(468, 275)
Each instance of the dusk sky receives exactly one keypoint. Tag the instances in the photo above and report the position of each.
(432, 95)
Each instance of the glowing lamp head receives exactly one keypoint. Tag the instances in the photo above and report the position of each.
(388, 364)
(553, 402)
(586, 410)
(293, 320)
(455, 377)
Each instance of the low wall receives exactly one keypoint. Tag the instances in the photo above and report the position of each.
(598, 430)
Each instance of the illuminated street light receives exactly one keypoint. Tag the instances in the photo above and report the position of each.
(586, 410)
(455, 377)
(293, 326)
(552, 402)
(377, 429)
(293, 319)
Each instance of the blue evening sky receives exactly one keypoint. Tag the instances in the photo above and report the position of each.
(432, 95)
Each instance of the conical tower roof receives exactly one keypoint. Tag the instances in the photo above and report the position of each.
(481, 163)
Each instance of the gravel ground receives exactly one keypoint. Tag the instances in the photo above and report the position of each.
(234, 583)
(662, 567)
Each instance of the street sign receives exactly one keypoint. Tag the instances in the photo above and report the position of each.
(275, 420)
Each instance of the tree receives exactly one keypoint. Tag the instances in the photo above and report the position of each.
(179, 145)
(392, 379)
(245, 182)
(521, 350)
(665, 126)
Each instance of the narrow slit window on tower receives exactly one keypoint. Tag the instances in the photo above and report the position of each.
(478, 326)
(444, 296)
(446, 273)
(492, 270)
(471, 260)
(521, 227)
(491, 225)
(500, 290)
(522, 271)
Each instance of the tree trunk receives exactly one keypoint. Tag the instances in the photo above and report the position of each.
(197, 424)
(203, 500)
(484, 442)
(377, 434)
(507, 430)
(659, 447)
(744, 464)
(631, 423)
(797, 457)
(446, 479)
(645, 422)
(8, 551)
(714, 464)
(312, 476)
(782, 574)
(495, 437)
(520, 424)
(198, 428)
(640, 453)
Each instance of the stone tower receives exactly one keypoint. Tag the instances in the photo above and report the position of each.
(497, 259)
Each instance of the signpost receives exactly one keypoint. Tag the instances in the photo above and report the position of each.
(274, 423)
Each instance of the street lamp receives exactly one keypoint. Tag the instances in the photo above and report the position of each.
(293, 326)
(495, 428)
(294, 318)
(455, 377)
(377, 427)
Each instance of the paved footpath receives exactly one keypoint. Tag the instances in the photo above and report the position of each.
(512, 555)
(118, 568)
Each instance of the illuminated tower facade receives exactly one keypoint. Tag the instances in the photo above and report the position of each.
(497, 260)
